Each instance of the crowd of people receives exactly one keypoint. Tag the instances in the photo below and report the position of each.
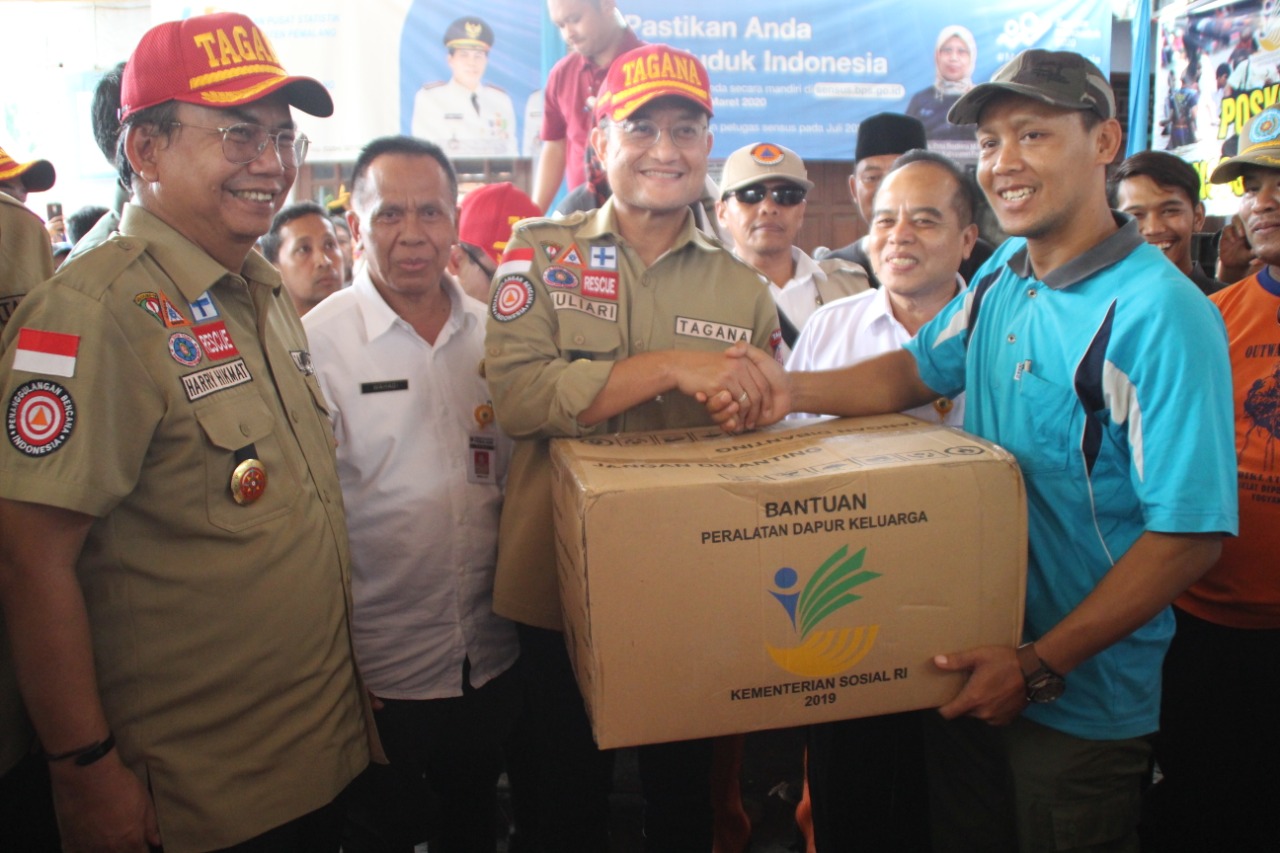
(277, 552)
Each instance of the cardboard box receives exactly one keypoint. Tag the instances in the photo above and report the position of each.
(715, 584)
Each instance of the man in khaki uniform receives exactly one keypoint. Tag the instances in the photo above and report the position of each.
(173, 557)
(762, 206)
(25, 258)
(25, 811)
(613, 320)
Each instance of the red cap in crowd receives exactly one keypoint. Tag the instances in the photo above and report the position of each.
(220, 60)
(653, 71)
(487, 215)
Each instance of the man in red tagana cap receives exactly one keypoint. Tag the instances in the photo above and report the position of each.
(174, 567)
(486, 216)
(606, 321)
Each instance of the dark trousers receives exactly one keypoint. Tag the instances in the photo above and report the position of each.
(1219, 742)
(441, 784)
(27, 822)
(319, 831)
(569, 779)
(868, 786)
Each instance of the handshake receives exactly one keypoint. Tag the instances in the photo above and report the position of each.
(743, 388)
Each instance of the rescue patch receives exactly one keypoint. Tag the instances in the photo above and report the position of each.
(511, 298)
(563, 300)
(559, 277)
(184, 349)
(216, 341)
(711, 331)
(203, 309)
(220, 377)
(603, 258)
(302, 361)
(601, 285)
(40, 418)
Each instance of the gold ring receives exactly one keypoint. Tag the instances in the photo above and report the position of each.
(745, 399)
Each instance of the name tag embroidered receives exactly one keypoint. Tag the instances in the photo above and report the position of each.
(384, 385)
(711, 331)
(220, 377)
(564, 301)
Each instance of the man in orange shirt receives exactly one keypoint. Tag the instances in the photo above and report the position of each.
(1218, 738)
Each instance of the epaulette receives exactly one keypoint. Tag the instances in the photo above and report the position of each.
(94, 271)
(437, 84)
(495, 88)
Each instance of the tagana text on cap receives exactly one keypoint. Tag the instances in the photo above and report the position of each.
(1059, 78)
(1259, 146)
(488, 213)
(762, 161)
(469, 33)
(221, 60)
(653, 71)
(37, 175)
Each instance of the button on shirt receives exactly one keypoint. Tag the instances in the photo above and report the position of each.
(423, 538)
(854, 329)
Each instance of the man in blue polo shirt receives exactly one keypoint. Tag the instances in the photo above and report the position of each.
(1087, 354)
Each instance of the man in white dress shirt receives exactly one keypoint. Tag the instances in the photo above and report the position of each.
(421, 463)
(463, 115)
(921, 230)
(762, 205)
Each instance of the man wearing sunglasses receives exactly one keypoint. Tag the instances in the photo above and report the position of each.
(762, 205)
(607, 321)
(174, 567)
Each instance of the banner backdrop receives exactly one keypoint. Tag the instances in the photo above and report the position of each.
(803, 74)
(1215, 70)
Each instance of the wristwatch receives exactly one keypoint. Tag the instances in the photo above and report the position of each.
(1043, 684)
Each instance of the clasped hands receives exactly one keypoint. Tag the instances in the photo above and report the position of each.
(744, 389)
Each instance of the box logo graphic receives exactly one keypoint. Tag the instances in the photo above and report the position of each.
(828, 591)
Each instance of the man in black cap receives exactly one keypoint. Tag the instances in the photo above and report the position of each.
(883, 138)
(1091, 358)
(465, 117)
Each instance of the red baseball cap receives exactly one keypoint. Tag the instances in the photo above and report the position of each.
(220, 60)
(487, 215)
(37, 176)
(653, 71)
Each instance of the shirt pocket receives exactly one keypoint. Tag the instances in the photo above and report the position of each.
(231, 425)
(1041, 424)
(589, 338)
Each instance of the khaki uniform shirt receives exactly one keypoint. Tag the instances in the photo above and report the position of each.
(556, 328)
(25, 256)
(220, 631)
(25, 261)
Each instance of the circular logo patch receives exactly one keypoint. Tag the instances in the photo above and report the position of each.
(1267, 126)
(40, 418)
(512, 298)
(767, 154)
(559, 277)
(184, 349)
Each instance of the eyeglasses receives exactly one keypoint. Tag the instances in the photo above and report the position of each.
(244, 143)
(787, 195)
(475, 254)
(645, 134)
